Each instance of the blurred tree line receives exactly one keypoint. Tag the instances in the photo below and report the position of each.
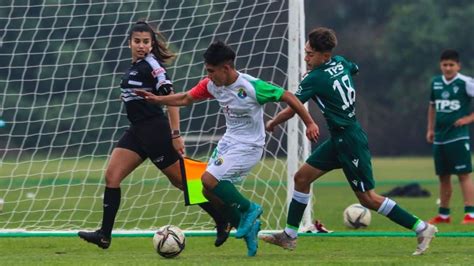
(397, 45)
(61, 62)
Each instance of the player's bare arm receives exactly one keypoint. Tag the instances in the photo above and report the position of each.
(177, 99)
(178, 141)
(295, 106)
(430, 127)
(464, 120)
(281, 117)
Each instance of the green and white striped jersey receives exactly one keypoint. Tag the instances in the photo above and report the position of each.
(451, 100)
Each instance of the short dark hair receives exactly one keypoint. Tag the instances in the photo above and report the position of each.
(449, 54)
(218, 53)
(322, 39)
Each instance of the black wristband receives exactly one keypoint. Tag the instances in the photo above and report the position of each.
(175, 132)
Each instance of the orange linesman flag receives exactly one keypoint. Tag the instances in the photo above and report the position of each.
(192, 171)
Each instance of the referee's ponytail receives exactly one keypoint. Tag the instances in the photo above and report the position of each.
(159, 46)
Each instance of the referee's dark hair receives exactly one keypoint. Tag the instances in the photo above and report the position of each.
(160, 49)
(449, 54)
(219, 53)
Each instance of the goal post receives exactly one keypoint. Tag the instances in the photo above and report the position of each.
(62, 64)
(298, 144)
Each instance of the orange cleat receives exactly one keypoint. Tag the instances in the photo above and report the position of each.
(468, 219)
(440, 220)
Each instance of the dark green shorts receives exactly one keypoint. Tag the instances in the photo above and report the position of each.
(452, 158)
(347, 149)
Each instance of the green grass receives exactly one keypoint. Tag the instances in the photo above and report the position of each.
(200, 251)
(149, 202)
(67, 195)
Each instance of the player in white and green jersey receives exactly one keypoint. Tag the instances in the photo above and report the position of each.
(241, 98)
(448, 119)
(329, 83)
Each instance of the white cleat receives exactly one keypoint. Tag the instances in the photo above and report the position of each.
(424, 239)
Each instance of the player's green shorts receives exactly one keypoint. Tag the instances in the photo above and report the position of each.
(347, 149)
(452, 158)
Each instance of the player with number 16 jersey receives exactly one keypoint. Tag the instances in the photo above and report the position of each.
(329, 84)
(332, 82)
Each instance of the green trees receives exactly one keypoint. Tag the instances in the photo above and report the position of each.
(60, 64)
(397, 46)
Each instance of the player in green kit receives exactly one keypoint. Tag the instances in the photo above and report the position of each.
(329, 83)
(448, 117)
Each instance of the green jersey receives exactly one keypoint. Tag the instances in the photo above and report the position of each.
(451, 100)
(330, 86)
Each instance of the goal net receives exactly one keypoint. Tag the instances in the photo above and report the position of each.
(62, 61)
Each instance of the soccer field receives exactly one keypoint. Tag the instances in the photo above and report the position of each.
(381, 242)
(68, 80)
(70, 198)
(200, 251)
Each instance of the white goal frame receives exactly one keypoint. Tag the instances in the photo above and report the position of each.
(297, 146)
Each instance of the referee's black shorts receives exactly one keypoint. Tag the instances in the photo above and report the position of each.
(151, 139)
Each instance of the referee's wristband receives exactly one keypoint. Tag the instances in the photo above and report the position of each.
(175, 134)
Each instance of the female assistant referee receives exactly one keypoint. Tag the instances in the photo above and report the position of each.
(150, 135)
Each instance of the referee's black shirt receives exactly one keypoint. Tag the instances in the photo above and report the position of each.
(150, 75)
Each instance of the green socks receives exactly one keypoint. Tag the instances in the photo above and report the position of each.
(295, 214)
(390, 209)
(469, 210)
(227, 192)
(444, 211)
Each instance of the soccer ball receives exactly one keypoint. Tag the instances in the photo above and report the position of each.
(357, 216)
(169, 241)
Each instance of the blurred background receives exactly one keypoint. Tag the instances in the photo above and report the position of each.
(397, 45)
(60, 65)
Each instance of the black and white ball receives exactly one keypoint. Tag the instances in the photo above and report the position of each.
(357, 216)
(169, 241)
